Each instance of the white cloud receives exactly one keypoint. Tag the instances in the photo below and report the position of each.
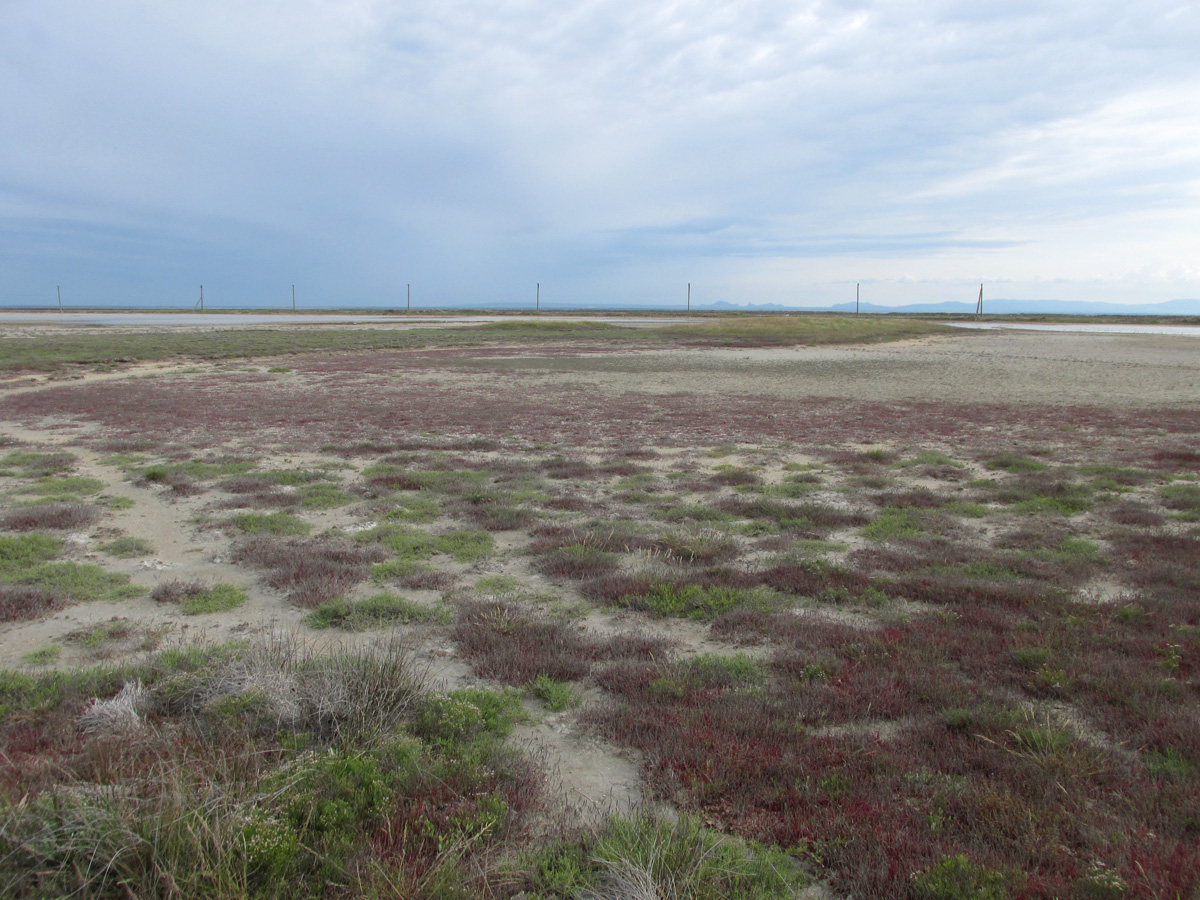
(593, 137)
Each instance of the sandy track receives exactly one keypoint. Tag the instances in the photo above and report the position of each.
(1039, 368)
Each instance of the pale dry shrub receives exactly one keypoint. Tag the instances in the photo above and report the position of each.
(119, 715)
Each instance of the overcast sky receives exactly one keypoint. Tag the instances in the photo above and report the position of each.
(612, 150)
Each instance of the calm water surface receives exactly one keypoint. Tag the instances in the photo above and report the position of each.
(1188, 330)
(227, 319)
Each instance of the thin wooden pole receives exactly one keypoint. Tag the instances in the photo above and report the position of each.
(409, 296)
(59, 297)
(201, 298)
(293, 298)
(689, 296)
(856, 293)
(979, 305)
(537, 303)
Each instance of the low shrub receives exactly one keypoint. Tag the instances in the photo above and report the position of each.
(19, 603)
(50, 516)
(310, 571)
(504, 642)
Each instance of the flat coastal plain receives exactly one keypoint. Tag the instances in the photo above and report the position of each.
(900, 615)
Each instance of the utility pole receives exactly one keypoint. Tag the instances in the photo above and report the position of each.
(537, 303)
(59, 297)
(293, 298)
(689, 296)
(409, 296)
(979, 304)
(201, 298)
(857, 286)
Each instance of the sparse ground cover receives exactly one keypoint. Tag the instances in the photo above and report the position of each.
(907, 650)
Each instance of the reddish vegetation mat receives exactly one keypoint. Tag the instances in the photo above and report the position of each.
(941, 638)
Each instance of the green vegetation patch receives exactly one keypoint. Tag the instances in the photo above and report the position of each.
(1014, 463)
(197, 470)
(676, 859)
(323, 496)
(43, 656)
(557, 695)
(957, 878)
(295, 477)
(895, 523)
(116, 503)
(411, 544)
(497, 584)
(20, 552)
(1071, 500)
(278, 523)
(402, 478)
(786, 331)
(379, 611)
(220, 597)
(692, 512)
(126, 547)
(31, 464)
(1184, 498)
(417, 508)
(66, 487)
(930, 458)
(27, 560)
(693, 601)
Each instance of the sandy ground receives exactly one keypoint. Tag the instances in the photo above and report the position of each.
(1044, 368)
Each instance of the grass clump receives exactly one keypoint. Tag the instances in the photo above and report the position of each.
(413, 544)
(323, 496)
(277, 523)
(957, 878)
(197, 598)
(32, 464)
(497, 584)
(786, 331)
(127, 547)
(1183, 498)
(558, 696)
(294, 477)
(417, 508)
(218, 598)
(65, 487)
(1014, 463)
(642, 856)
(895, 524)
(195, 470)
(22, 551)
(378, 611)
(78, 581)
(694, 601)
(714, 670)
(43, 656)
(466, 546)
(929, 458)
